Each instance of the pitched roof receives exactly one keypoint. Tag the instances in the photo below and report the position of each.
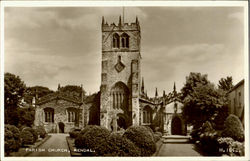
(58, 95)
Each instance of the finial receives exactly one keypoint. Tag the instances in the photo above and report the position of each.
(156, 93)
(136, 20)
(164, 94)
(120, 21)
(174, 87)
(142, 86)
(103, 20)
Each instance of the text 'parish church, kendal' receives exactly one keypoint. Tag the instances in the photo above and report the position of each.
(122, 100)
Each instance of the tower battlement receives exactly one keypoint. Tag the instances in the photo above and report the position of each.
(106, 27)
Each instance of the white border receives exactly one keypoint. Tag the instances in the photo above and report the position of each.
(118, 4)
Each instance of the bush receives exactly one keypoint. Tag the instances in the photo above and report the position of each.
(33, 132)
(121, 146)
(16, 136)
(9, 142)
(74, 133)
(233, 128)
(95, 138)
(143, 138)
(207, 138)
(230, 147)
(41, 131)
(27, 137)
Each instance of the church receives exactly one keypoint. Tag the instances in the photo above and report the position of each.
(123, 99)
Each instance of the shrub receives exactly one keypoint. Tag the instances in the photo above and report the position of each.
(9, 141)
(33, 132)
(121, 146)
(233, 128)
(143, 138)
(74, 133)
(27, 137)
(41, 131)
(230, 147)
(16, 136)
(207, 137)
(157, 136)
(95, 138)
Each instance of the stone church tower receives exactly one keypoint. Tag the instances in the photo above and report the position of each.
(120, 76)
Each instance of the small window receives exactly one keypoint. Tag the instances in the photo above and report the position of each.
(125, 40)
(116, 41)
(49, 114)
(147, 115)
(71, 115)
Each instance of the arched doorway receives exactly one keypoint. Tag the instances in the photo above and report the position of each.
(176, 126)
(61, 127)
(121, 122)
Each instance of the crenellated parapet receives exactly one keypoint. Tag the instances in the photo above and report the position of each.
(134, 26)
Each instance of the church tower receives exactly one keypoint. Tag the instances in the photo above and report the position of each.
(120, 76)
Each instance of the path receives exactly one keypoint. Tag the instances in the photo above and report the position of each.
(178, 149)
(56, 145)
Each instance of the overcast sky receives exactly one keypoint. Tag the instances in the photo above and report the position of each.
(47, 46)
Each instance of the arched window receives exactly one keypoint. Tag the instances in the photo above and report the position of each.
(49, 114)
(147, 115)
(72, 114)
(119, 96)
(116, 41)
(125, 40)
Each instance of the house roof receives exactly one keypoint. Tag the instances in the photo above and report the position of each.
(237, 85)
(58, 95)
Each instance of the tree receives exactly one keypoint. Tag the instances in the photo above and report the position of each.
(75, 90)
(34, 91)
(202, 101)
(192, 81)
(14, 89)
(226, 84)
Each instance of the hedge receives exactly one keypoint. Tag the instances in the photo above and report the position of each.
(143, 138)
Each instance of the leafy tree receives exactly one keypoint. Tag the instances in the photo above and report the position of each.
(76, 91)
(26, 116)
(202, 101)
(31, 92)
(226, 83)
(192, 81)
(14, 89)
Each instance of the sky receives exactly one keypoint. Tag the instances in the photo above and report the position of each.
(51, 45)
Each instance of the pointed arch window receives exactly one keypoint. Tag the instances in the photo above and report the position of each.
(116, 41)
(147, 115)
(125, 40)
(49, 114)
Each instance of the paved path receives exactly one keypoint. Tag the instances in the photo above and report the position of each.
(177, 149)
(56, 145)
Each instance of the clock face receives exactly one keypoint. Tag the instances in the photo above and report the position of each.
(119, 66)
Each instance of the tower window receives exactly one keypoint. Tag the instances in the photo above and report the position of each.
(116, 41)
(125, 40)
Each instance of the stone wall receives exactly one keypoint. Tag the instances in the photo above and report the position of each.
(60, 115)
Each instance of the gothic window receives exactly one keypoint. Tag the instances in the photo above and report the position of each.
(147, 115)
(125, 40)
(72, 115)
(49, 114)
(119, 96)
(116, 41)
